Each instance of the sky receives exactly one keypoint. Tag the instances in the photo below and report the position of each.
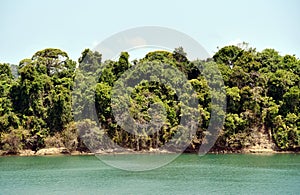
(73, 25)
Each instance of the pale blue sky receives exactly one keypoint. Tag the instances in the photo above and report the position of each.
(32, 25)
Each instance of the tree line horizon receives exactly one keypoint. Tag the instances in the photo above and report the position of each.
(37, 99)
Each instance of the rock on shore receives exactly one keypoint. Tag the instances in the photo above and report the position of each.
(52, 151)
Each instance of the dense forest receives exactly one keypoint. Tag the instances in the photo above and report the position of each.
(37, 98)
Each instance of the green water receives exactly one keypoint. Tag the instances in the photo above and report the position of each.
(188, 174)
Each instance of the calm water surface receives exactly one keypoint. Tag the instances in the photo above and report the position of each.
(188, 174)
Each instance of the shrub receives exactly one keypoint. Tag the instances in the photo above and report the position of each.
(14, 141)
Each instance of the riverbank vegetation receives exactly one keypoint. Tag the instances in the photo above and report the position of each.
(36, 98)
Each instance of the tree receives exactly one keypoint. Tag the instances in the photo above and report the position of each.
(228, 55)
(38, 106)
(41, 97)
(180, 55)
(7, 117)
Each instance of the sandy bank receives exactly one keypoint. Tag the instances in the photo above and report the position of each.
(65, 151)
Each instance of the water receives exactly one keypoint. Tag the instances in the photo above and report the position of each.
(188, 174)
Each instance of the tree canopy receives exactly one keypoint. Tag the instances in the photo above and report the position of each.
(262, 93)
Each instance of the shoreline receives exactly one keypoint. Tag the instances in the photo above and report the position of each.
(65, 152)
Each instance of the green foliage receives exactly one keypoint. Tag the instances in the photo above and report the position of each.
(84, 87)
(228, 55)
(180, 55)
(7, 117)
(286, 131)
(262, 90)
(5, 72)
(44, 89)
